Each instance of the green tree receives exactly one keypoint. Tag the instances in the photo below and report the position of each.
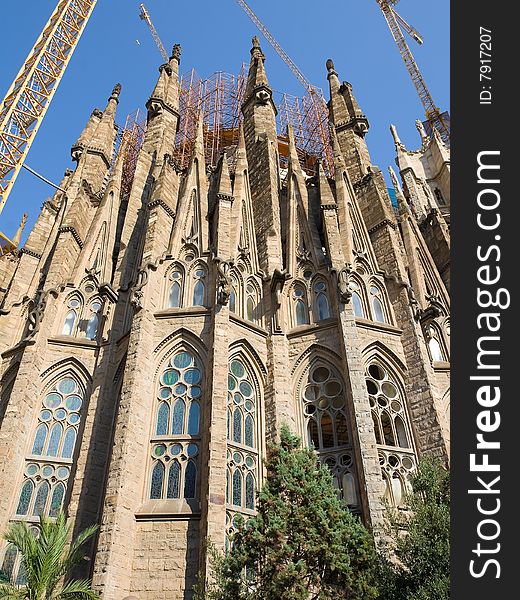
(46, 561)
(303, 544)
(421, 541)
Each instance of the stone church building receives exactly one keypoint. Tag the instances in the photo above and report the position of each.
(153, 342)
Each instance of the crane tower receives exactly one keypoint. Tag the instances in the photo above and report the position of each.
(28, 99)
(434, 116)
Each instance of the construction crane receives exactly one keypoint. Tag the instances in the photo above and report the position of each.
(145, 16)
(319, 106)
(435, 118)
(28, 99)
(311, 89)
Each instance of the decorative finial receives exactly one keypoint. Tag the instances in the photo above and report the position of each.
(395, 135)
(422, 131)
(115, 92)
(176, 52)
(330, 67)
(256, 42)
(18, 235)
(395, 182)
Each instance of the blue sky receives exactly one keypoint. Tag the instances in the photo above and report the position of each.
(216, 36)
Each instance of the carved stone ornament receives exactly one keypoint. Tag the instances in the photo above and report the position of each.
(345, 293)
(263, 96)
(224, 281)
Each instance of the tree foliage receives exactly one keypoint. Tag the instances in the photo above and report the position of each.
(46, 560)
(421, 541)
(303, 543)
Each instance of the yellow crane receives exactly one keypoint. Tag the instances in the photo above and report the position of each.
(28, 99)
(145, 16)
(434, 116)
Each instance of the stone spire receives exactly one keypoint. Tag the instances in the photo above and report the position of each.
(338, 109)
(102, 141)
(350, 123)
(262, 150)
(395, 135)
(18, 235)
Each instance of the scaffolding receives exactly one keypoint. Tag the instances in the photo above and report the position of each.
(220, 99)
(131, 139)
(309, 119)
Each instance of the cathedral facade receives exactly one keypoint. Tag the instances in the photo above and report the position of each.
(153, 342)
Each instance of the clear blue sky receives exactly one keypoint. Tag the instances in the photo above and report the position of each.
(216, 36)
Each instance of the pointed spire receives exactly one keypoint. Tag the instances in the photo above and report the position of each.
(395, 182)
(175, 59)
(18, 235)
(326, 195)
(166, 92)
(257, 82)
(294, 161)
(198, 147)
(241, 151)
(338, 108)
(403, 206)
(351, 102)
(339, 160)
(395, 135)
(224, 187)
(86, 135)
(422, 132)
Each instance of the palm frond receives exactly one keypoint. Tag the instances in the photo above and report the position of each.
(20, 535)
(76, 552)
(12, 592)
(79, 589)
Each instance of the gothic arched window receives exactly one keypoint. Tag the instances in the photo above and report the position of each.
(377, 304)
(93, 320)
(242, 440)
(71, 320)
(324, 408)
(233, 296)
(199, 287)
(357, 302)
(176, 436)
(48, 467)
(301, 313)
(439, 197)
(392, 431)
(321, 301)
(251, 302)
(435, 347)
(175, 291)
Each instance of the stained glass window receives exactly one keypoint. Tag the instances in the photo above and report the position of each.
(377, 305)
(322, 302)
(199, 288)
(25, 498)
(190, 479)
(251, 302)
(233, 300)
(435, 349)
(324, 407)
(53, 444)
(9, 561)
(237, 488)
(157, 481)
(70, 322)
(302, 315)
(174, 298)
(178, 394)
(242, 439)
(391, 428)
(41, 499)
